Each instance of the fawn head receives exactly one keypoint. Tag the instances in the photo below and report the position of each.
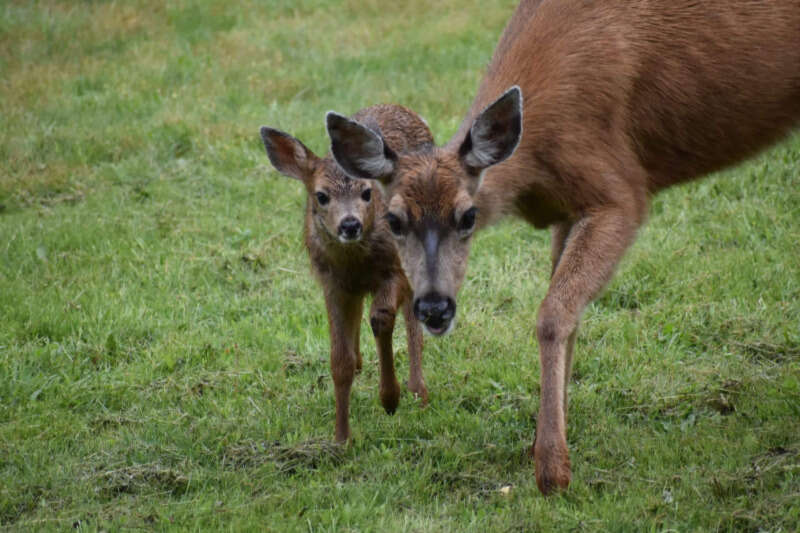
(341, 207)
(430, 196)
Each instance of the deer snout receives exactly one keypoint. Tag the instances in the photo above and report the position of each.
(436, 312)
(350, 229)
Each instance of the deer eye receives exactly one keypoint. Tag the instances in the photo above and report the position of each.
(322, 198)
(467, 221)
(366, 195)
(395, 224)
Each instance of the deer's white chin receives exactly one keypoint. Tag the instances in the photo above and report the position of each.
(440, 332)
(345, 240)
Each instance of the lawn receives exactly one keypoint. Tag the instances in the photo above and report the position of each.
(163, 348)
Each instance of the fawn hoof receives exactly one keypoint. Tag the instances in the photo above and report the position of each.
(552, 466)
(390, 398)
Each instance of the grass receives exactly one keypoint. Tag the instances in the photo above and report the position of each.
(163, 351)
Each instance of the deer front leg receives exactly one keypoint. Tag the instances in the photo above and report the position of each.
(416, 383)
(344, 315)
(381, 319)
(591, 252)
(560, 234)
(357, 339)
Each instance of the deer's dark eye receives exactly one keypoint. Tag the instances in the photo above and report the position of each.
(366, 195)
(467, 221)
(322, 198)
(396, 225)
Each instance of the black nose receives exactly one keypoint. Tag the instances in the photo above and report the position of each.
(435, 311)
(350, 228)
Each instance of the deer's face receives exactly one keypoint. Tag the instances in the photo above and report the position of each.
(430, 198)
(341, 207)
(432, 217)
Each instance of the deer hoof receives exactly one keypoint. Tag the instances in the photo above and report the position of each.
(419, 391)
(553, 472)
(342, 435)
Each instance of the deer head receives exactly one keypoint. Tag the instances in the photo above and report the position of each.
(341, 207)
(431, 197)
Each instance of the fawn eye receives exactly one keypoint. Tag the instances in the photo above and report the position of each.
(366, 195)
(396, 225)
(322, 198)
(467, 221)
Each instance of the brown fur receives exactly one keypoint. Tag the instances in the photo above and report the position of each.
(621, 99)
(348, 271)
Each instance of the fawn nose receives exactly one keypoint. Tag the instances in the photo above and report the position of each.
(349, 229)
(435, 311)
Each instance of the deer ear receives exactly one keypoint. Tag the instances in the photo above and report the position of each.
(289, 156)
(495, 133)
(360, 151)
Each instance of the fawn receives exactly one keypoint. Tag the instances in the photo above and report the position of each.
(622, 99)
(353, 254)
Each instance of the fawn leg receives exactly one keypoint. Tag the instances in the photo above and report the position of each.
(381, 318)
(344, 315)
(591, 253)
(357, 338)
(416, 383)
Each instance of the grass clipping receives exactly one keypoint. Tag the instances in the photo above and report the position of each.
(309, 454)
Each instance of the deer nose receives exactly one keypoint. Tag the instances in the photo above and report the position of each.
(349, 229)
(435, 311)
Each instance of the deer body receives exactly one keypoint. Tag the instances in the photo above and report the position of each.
(625, 98)
(353, 254)
(622, 99)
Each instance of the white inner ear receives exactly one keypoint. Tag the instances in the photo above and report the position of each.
(484, 149)
(299, 155)
(373, 162)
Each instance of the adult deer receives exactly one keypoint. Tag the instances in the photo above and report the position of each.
(622, 99)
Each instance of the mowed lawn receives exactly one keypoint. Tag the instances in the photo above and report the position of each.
(164, 351)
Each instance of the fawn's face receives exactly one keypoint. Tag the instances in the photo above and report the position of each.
(341, 207)
(430, 197)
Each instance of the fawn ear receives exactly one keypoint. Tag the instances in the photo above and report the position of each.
(495, 133)
(289, 156)
(360, 151)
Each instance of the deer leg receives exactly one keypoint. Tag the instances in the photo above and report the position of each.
(344, 315)
(558, 240)
(595, 245)
(381, 318)
(416, 383)
(357, 339)
(560, 234)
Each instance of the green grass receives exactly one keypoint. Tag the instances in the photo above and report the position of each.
(163, 351)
